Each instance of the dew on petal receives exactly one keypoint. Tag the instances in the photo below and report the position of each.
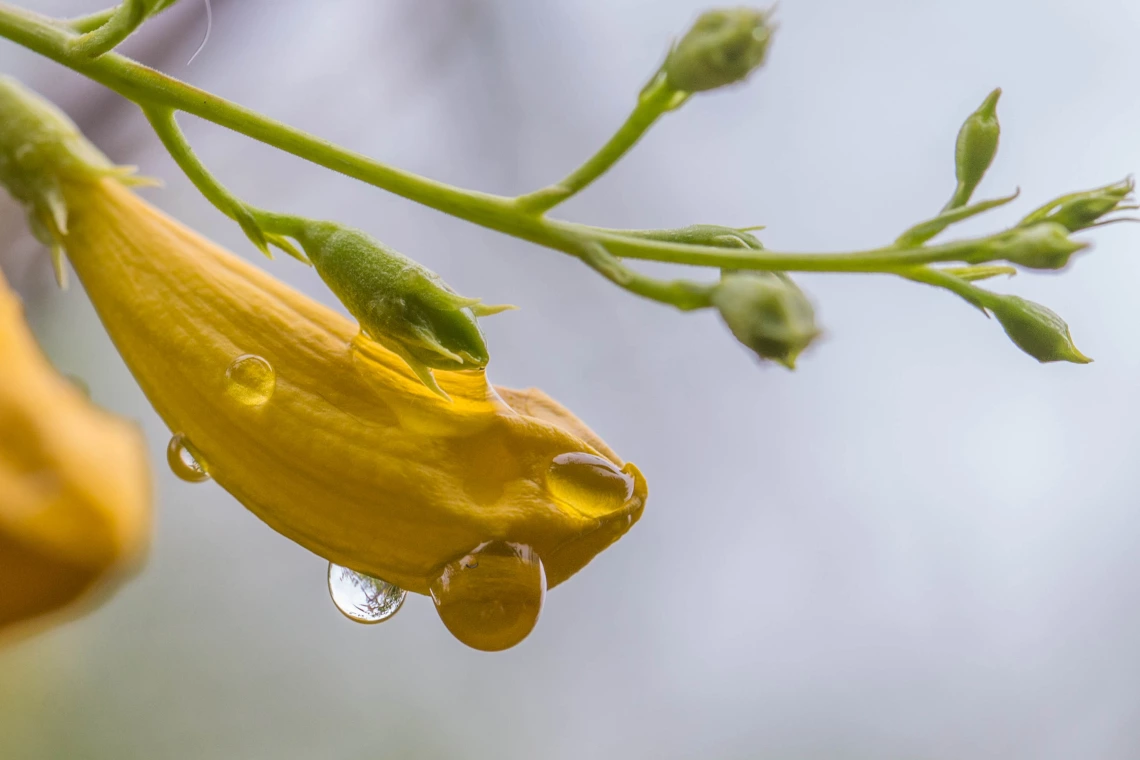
(250, 380)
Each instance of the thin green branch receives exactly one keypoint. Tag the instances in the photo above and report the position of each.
(686, 295)
(165, 125)
(91, 21)
(886, 259)
(124, 20)
(972, 294)
(656, 100)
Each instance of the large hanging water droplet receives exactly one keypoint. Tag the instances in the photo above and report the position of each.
(250, 380)
(491, 598)
(362, 598)
(185, 461)
(589, 483)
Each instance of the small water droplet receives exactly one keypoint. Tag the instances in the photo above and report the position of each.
(185, 461)
(491, 598)
(362, 598)
(250, 380)
(590, 483)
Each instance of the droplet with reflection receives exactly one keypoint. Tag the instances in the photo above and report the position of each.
(185, 461)
(250, 380)
(363, 598)
(491, 598)
(589, 483)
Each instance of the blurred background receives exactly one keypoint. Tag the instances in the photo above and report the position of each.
(921, 544)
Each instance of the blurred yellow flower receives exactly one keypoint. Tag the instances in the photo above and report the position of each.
(75, 501)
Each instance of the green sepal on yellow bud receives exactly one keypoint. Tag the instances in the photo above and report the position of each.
(399, 303)
(41, 148)
(722, 47)
(1078, 211)
(975, 149)
(1044, 245)
(768, 313)
(1036, 330)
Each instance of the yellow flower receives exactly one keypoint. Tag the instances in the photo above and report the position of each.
(74, 484)
(330, 438)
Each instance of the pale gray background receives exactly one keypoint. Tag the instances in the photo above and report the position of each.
(920, 545)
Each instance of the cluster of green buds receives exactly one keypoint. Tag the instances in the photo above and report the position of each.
(399, 303)
(1040, 241)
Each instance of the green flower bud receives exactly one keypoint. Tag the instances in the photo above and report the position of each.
(1036, 330)
(400, 304)
(722, 47)
(1079, 211)
(1045, 245)
(768, 313)
(975, 150)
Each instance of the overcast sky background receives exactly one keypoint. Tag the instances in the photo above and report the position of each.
(921, 544)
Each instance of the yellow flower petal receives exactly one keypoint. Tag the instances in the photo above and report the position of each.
(349, 454)
(74, 484)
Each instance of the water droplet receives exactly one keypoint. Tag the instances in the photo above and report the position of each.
(491, 598)
(185, 461)
(362, 598)
(250, 380)
(589, 483)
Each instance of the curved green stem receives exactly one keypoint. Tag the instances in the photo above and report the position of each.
(90, 22)
(684, 294)
(123, 21)
(972, 294)
(165, 125)
(656, 100)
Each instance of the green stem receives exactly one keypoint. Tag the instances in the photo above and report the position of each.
(972, 294)
(657, 99)
(123, 21)
(163, 121)
(91, 21)
(684, 294)
(154, 90)
(886, 259)
(253, 221)
(165, 125)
